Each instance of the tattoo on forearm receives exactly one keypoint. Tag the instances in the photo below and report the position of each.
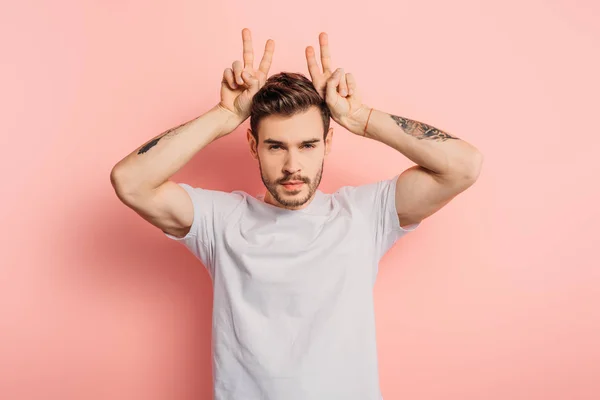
(420, 130)
(169, 133)
(149, 145)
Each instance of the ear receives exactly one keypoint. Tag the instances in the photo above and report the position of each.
(252, 143)
(328, 141)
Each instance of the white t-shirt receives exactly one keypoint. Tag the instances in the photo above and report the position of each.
(293, 315)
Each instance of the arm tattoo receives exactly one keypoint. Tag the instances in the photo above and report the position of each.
(149, 145)
(169, 133)
(421, 130)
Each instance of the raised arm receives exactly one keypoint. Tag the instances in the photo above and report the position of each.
(446, 165)
(141, 179)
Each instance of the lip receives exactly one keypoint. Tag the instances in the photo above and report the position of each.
(293, 186)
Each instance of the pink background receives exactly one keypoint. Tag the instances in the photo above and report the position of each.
(495, 297)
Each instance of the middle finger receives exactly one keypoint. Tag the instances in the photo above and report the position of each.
(325, 55)
(265, 63)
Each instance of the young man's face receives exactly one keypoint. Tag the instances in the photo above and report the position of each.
(291, 149)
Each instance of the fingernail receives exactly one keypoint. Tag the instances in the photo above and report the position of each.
(343, 93)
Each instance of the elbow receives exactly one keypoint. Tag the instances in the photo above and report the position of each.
(117, 178)
(467, 169)
(122, 184)
(475, 165)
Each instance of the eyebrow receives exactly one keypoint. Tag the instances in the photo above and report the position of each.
(273, 141)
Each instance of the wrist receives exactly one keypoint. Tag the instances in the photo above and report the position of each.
(357, 121)
(229, 120)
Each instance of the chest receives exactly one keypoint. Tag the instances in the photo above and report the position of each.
(294, 265)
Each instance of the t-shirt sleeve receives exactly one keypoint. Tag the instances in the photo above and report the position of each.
(211, 208)
(377, 202)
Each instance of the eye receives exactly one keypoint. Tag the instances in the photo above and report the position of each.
(277, 146)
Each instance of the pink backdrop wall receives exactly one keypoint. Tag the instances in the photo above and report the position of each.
(495, 297)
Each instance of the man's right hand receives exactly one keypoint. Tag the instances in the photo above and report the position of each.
(241, 82)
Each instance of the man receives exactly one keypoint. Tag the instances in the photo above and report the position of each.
(293, 270)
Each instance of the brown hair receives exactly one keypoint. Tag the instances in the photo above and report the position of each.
(286, 93)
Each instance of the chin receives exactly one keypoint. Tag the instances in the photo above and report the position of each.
(292, 192)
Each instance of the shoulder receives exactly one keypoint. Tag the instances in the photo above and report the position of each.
(217, 201)
(368, 193)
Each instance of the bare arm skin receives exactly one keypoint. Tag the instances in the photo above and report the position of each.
(141, 179)
(446, 165)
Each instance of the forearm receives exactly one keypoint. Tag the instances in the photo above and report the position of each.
(423, 144)
(156, 161)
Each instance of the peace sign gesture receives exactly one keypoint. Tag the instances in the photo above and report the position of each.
(335, 87)
(241, 82)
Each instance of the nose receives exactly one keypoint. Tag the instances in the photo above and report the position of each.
(292, 164)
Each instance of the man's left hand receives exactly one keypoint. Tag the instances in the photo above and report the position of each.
(337, 88)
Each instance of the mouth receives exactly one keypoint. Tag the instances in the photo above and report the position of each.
(293, 185)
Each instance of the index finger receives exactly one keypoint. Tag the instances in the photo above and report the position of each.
(248, 54)
(325, 55)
